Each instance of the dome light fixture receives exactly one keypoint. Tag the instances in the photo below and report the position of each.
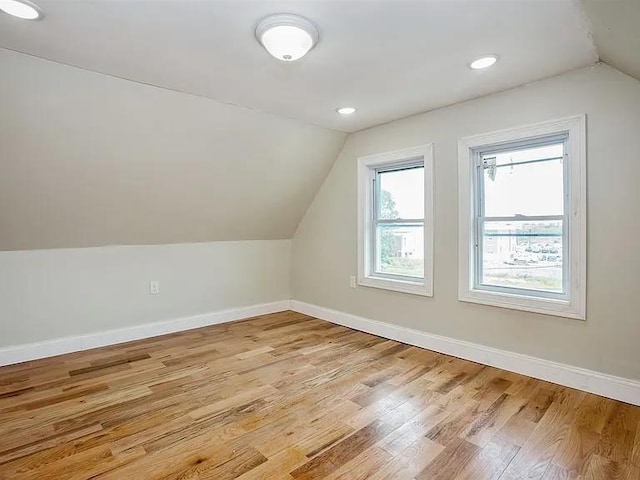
(286, 36)
(22, 9)
(346, 110)
(484, 62)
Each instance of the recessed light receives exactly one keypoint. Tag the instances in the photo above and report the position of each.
(21, 9)
(287, 37)
(483, 62)
(346, 110)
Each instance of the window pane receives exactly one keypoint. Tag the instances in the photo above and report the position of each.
(523, 255)
(400, 250)
(525, 189)
(401, 194)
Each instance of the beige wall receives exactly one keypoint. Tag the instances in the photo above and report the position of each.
(49, 294)
(89, 160)
(324, 247)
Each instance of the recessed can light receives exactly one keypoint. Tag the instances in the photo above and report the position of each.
(483, 62)
(287, 37)
(346, 110)
(21, 9)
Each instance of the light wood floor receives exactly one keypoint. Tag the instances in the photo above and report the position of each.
(286, 396)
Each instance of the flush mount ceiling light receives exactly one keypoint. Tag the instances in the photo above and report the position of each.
(483, 62)
(287, 37)
(346, 110)
(21, 9)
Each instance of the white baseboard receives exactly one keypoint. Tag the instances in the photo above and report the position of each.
(610, 386)
(58, 346)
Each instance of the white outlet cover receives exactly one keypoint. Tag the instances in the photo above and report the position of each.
(154, 287)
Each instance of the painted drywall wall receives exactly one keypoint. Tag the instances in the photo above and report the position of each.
(90, 160)
(49, 294)
(324, 247)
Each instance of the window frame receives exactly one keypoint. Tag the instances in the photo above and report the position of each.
(369, 167)
(572, 303)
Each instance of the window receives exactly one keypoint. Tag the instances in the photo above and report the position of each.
(522, 218)
(395, 210)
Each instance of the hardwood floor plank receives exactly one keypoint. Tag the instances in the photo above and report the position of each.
(363, 466)
(575, 449)
(554, 472)
(344, 451)
(276, 466)
(289, 397)
(451, 462)
(490, 462)
(410, 461)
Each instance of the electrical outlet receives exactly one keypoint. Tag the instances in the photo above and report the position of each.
(154, 287)
(352, 282)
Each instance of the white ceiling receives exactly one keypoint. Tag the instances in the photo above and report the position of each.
(390, 59)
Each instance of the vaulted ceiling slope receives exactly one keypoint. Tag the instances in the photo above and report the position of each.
(87, 159)
(391, 59)
(615, 25)
(234, 144)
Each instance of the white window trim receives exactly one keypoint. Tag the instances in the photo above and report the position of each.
(365, 217)
(575, 306)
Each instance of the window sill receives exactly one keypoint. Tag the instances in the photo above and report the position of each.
(403, 286)
(557, 308)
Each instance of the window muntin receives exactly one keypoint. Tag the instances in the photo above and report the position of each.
(398, 221)
(520, 222)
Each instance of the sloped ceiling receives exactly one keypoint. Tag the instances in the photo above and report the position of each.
(87, 159)
(390, 59)
(215, 140)
(615, 25)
